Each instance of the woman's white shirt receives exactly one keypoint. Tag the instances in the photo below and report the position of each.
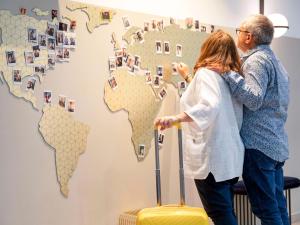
(212, 141)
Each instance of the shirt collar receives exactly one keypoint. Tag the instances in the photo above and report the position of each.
(253, 50)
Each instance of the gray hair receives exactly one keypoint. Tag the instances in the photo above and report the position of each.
(260, 27)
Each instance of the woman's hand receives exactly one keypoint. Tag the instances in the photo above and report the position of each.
(166, 122)
(183, 70)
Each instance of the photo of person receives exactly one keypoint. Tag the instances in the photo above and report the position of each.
(146, 26)
(47, 97)
(59, 38)
(160, 25)
(212, 28)
(62, 101)
(189, 22)
(159, 71)
(141, 152)
(72, 37)
(112, 82)
(156, 82)
(71, 105)
(119, 61)
(137, 60)
(148, 79)
(43, 69)
(51, 60)
(54, 14)
(11, 58)
(59, 54)
(153, 24)
(161, 138)
(126, 22)
(197, 25)
(51, 29)
(181, 85)
(130, 62)
(179, 50)
(138, 36)
(51, 43)
(112, 63)
(36, 51)
(158, 47)
(72, 25)
(66, 54)
(29, 58)
(23, 11)
(203, 28)
(162, 93)
(66, 43)
(32, 35)
(62, 26)
(105, 15)
(174, 68)
(167, 47)
(42, 41)
(17, 77)
(172, 21)
(31, 84)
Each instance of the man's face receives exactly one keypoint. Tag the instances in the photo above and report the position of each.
(244, 39)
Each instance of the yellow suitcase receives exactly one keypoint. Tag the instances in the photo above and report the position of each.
(168, 214)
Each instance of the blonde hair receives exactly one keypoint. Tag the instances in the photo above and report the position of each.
(219, 49)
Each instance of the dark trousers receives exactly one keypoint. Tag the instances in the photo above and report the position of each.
(264, 181)
(217, 199)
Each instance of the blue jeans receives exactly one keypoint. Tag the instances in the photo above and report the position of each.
(217, 199)
(264, 181)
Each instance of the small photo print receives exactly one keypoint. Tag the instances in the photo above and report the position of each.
(71, 105)
(160, 25)
(167, 47)
(112, 63)
(62, 26)
(23, 11)
(137, 60)
(130, 62)
(11, 58)
(17, 77)
(189, 22)
(182, 85)
(159, 71)
(40, 69)
(112, 82)
(158, 47)
(126, 22)
(51, 60)
(29, 58)
(172, 21)
(105, 15)
(72, 25)
(32, 35)
(31, 84)
(197, 25)
(36, 51)
(59, 54)
(156, 82)
(212, 28)
(162, 93)
(148, 79)
(203, 28)
(141, 152)
(54, 13)
(174, 68)
(153, 24)
(59, 38)
(119, 61)
(66, 54)
(161, 138)
(72, 37)
(47, 97)
(179, 50)
(51, 29)
(66, 43)
(146, 26)
(42, 41)
(51, 43)
(138, 36)
(62, 101)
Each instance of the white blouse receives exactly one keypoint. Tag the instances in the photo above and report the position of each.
(212, 142)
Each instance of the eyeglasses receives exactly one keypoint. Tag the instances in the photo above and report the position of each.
(238, 31)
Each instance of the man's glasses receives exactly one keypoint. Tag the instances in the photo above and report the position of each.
(238, 31)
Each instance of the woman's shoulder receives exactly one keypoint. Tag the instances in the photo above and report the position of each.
(207, 75)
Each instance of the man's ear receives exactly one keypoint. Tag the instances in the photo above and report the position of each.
(249, 39)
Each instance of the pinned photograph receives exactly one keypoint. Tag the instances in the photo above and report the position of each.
(47, 97)
(51, 60)
(189, 22)
(148, 79)
(197, 25)
(42, 41)
(54, 14)
(172, 21)
(72, 37)
(174, 68)
(124, 53)
(72, 25)
(66, 54)
(126, 22)
(36, 51)
(141, 152)
(179, 50)
(11, 58)
(167, 47)
(17, 77)
(130, 62)
(112, 63)
(40, 69)
(146, 26)
(161, 138)
(182, 85)
(162, 93)
(212, 28)
(51, 43)
(119, 61)
(62, 101)
(59, 38)
(62, 26)
(23, 11)
(31, 84)
(138, 36)
(71, 105)
(158, 47)
(66, 42)
(32, 35)
(59, 54)
(153, 24)
(159, 71)
(51, 29)
(105, 15)
(29, 58)
(156, 82)
(43, 69)
(203, 28)
(112, 82)
(137, 60)
(160, 25)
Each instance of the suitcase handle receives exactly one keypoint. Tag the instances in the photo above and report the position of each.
(157, 165)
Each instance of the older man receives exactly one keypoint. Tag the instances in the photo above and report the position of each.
(264, 91)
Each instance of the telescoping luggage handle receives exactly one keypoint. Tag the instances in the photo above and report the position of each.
(157, 166)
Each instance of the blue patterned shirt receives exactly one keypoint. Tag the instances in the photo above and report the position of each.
(264, 92)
